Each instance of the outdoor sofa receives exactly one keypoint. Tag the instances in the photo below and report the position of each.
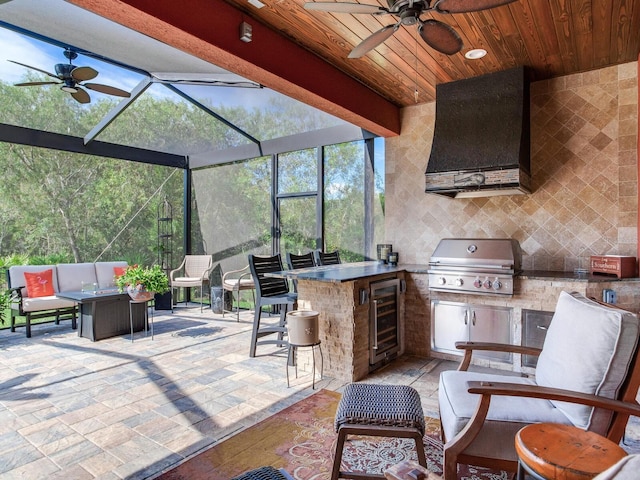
(35, 294)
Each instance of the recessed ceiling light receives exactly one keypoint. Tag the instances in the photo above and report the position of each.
(256, 3)
(475, 54)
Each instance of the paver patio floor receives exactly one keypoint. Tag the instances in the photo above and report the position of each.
(75, 409)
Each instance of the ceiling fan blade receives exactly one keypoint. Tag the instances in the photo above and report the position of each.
(34, 68)
(440, 37)
(31, 84)
(98, 87)
(81, 96)
(343, 7)
(464, 6)
(80, 74)
(373, 40)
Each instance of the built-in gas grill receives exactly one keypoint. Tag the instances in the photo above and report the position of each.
(474, 265)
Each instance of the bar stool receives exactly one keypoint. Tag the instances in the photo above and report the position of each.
(144, 302)
(548, 451)
(303, 331)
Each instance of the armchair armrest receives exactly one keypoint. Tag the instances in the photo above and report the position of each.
(16, 292)
(535, 391)
(207, 273)
(235, 272)
(175, 270)
(469, 347)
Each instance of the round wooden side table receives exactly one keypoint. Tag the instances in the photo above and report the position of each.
(548, 451)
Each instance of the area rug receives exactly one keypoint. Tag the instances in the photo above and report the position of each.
(301, 439)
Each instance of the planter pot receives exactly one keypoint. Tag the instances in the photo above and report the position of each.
(139, 293)
(302, 327)
(217, 300)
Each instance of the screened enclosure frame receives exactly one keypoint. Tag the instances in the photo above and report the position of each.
(89, 144)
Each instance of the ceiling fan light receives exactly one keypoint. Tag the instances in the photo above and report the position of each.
(68, 89)
(475, 53)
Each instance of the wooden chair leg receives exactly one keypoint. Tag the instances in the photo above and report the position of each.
(422, 457)
(450, 466)
(337, 459)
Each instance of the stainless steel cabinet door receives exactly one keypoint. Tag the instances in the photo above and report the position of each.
(490, 324)
(449, 324)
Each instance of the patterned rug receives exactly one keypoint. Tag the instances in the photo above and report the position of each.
(302, 440)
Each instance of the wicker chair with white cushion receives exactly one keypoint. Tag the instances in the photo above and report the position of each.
(194, 271)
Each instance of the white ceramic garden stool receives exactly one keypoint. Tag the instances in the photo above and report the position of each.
(303, 331)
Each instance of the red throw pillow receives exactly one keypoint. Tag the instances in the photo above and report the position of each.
(119, 271)
(39, 284)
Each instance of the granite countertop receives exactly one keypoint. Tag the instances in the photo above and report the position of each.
(343, 272)
(541, 275)
(570, 276)
(346, 272)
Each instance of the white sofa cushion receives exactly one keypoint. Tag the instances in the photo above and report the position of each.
(588, 348)
(45, 303)
(16, 276)
(105, 274)
(71, 276)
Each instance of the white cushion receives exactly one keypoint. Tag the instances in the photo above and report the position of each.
(186, 282)
(506, 415)
(588, 348)
(626, 469)
(105, 275)
(71, 276)
(16, 276)
(45, 303)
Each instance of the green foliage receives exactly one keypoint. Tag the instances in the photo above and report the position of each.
(153, 279)
(59, 207)
(5, 303)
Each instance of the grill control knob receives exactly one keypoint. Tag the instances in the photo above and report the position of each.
(477, 282)
(497, 284)
(442, 281)
(487, 283)
(459, 282)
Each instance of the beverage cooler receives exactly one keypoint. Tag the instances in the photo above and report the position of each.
(384, 331)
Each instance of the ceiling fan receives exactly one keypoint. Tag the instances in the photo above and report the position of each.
(70, 77)
(438, 35)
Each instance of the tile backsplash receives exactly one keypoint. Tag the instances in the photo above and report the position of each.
(584, 137)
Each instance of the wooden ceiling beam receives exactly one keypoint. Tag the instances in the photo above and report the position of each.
(209, 29)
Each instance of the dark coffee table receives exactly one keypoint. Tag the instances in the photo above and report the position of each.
(105, 313)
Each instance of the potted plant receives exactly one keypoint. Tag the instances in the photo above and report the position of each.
(141, 283)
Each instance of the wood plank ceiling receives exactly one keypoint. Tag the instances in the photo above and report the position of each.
(553, 37)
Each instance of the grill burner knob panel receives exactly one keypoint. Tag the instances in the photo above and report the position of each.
(442, 281)
(477, 282)
(459, 282)
(497, 284)
(487, 283)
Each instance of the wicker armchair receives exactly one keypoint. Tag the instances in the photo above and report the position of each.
(236, 281)
(195, 270)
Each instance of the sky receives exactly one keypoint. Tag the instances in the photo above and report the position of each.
(44, 56)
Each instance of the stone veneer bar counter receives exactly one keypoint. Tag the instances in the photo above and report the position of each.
(336, 293)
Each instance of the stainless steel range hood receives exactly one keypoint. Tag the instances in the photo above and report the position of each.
(481, 143)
